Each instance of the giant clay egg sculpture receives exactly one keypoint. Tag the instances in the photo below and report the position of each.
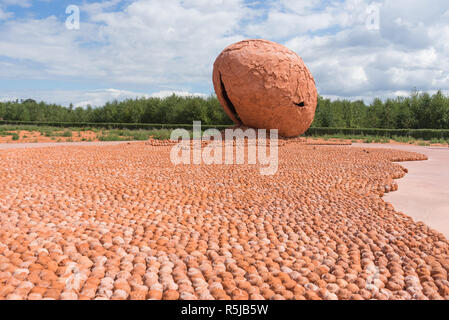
(262, 84)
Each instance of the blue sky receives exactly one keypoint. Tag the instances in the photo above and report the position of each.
(128, 48)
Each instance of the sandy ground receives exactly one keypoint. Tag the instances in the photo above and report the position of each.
(424, 192)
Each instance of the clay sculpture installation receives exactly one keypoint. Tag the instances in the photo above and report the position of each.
(262, 84)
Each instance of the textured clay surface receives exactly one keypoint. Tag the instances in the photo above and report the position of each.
(122, 222)
(262, 84)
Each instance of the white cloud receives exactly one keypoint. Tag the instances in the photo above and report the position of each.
(411, 49)
(150, 42)
(164, 46)
(167, 93)
(100, 97)
(21, 3)
(5, 15)
(7, 98)
(94, 98)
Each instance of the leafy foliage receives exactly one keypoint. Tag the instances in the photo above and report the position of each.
(171, 110)
(418, 111)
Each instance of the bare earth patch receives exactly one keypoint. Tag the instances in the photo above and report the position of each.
(122, 222)
(24, 136)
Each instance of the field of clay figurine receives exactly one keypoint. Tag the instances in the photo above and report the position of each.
(122, 222)
(132, 161)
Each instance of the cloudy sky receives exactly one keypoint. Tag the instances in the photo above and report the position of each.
(124, 48)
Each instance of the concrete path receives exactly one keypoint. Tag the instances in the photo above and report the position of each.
(423, 193)
(57, 144)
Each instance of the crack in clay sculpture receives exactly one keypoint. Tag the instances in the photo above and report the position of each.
(228, 102)
(262, 84)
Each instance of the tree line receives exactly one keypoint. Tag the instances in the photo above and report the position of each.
(171, 110)
(417, 111)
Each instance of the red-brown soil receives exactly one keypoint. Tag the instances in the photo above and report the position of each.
(36, 136)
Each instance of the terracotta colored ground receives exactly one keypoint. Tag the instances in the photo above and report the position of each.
(121, 222)
(27, 145)
(36, 136)
(90, 136)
